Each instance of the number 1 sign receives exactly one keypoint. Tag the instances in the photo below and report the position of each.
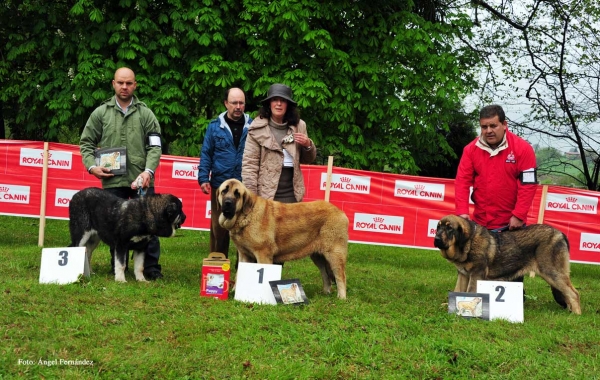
(63, 265)
(252, 283)
(506, 299)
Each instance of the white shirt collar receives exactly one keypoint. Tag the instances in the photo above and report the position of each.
(121, 108)
(483, 145)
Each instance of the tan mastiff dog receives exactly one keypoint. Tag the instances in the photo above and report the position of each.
(268, 232)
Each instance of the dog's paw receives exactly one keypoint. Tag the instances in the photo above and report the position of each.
(120, 278)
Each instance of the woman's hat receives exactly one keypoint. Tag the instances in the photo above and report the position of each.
(280, 90)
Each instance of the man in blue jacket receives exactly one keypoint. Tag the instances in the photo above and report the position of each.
(221, 158)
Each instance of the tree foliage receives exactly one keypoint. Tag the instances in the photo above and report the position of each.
(552, 46)
(377, 81)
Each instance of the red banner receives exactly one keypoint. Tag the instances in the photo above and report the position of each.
(386, 209)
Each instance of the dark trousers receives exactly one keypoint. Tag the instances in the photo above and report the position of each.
(286, 200)
(219, 237)
(152, 254)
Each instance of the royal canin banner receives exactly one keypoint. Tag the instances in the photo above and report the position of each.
(385, 209)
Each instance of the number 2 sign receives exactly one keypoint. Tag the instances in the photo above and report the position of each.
(506, 299)
(252, 283)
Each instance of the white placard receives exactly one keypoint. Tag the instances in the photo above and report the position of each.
(252, 282)
(506, 299)
(63, 265)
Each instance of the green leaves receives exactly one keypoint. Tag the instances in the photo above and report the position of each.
(376, 83)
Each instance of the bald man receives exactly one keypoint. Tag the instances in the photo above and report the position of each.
(221, 158)
(125, 122)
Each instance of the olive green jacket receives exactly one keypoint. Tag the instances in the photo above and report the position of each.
(108, 127)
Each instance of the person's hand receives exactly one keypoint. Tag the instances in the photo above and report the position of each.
(145, 179)
(465, 216)
(101, 173)
(515, 223)
(205, 187)
(302, 139)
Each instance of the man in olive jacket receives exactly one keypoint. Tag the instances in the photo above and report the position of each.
(124, 121)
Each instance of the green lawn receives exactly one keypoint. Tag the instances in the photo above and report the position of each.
(394, 324)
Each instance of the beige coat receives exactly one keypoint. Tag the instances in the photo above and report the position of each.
(263, 159)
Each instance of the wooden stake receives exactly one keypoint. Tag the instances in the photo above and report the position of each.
(328, 181)
(43, 197)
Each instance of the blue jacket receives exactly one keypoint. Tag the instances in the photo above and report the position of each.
(219, 159)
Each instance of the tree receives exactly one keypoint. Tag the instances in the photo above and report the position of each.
(553, 47)
(377, 81)
(460, 133)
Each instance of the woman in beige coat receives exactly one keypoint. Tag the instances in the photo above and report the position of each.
(276, 145)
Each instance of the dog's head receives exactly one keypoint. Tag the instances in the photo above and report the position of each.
(453, 233)
(168, 213)
(233, 199)
(174, 211)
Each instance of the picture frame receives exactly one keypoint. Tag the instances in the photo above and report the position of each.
(114, 159)
(469, 305)
(288, 292)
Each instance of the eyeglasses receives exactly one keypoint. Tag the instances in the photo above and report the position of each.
(236, 103)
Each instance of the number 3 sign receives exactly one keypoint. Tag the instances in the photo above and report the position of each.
(63, 265)
(252, 283)
(506, 299)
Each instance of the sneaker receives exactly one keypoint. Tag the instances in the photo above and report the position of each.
(153, 276)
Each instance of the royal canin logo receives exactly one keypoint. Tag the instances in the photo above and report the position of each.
(378, 219)
(345, 179)
(420, 187)
(3, 189)
(571, 199)
(49, 154)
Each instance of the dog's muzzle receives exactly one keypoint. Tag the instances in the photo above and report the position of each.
(181, 220)
(438, 242)
(228, 208)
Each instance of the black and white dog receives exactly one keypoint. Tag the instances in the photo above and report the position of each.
(95, 214)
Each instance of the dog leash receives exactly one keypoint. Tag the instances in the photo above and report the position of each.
(139, 183)
(505, 228)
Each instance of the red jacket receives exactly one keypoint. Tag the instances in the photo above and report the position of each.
(497, 191)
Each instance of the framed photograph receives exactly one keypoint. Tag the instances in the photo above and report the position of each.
(288, 292)
(469, 305)
(114, 159)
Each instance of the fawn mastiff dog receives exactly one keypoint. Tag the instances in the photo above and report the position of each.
(480, 254)
(267, 232)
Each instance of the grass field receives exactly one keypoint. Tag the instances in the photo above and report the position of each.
(394, 324)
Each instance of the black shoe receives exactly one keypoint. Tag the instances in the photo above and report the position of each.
(153, 276)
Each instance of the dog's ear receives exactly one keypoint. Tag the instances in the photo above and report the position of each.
(172, 210)
(218, 198)
(247, 202)
(463, 233)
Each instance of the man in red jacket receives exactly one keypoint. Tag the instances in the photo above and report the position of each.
(501, 168)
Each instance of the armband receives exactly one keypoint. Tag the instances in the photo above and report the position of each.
(153, 139)
(528, 177)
